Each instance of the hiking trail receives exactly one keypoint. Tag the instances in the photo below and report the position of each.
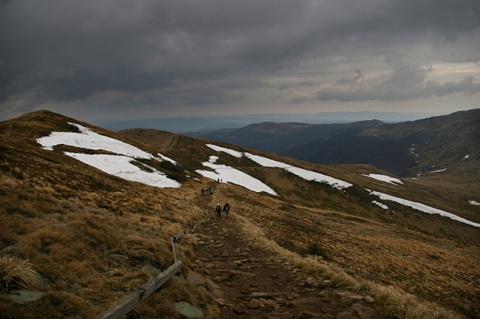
(249, 281)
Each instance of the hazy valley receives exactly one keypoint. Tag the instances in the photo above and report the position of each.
(404, 149)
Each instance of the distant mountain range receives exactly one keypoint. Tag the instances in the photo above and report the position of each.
(184, 124)
(405, 148)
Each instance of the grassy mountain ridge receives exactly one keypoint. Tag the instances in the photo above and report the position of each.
(89, 234)
(404, 149)
(197, 153)
(92, 236)
(299, 198)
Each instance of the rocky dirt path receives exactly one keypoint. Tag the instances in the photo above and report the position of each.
(250, 282)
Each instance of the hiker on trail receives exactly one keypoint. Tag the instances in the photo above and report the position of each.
(226, 209)
(218, 210)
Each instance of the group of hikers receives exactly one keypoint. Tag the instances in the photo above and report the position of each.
(206, 190)
(225, 209)
(218, 208)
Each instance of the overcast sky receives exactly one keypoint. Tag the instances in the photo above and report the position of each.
(124, 59)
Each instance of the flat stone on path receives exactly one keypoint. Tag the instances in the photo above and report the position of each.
(254, 304)
(363, 312)
(196, 279)
(188, 310)
(24, 296)
(350, 295)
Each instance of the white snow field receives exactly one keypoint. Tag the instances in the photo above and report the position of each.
(303, 173)
(93, 141)
(231, 175)
(472, 202)
(381, 205)
(384, 178)
(225, 150)
(422, 207)
(339, 184)
(119, 165)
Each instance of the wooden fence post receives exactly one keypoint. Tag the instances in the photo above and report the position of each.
(128, 303)
(132, 300)
(174, 240)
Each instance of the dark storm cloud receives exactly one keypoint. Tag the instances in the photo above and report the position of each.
(70, 49)
(168, 52)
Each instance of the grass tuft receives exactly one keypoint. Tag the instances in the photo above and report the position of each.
(393, 302)
(17, 273)
(316, 250)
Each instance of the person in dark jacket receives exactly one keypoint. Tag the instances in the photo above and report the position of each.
(218, 210)
(226, 209)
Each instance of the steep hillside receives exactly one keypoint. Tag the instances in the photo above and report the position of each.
(280, 137)
(95, 236)
(404, 149)
(386, 246)
(91, 236)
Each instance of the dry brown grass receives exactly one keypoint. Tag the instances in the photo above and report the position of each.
(90, 235)
(435, 268)
(393, 301)
(411, 274)
(73, 235)
(18, 273)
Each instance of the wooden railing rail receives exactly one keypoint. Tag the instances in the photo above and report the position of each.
(132, 300)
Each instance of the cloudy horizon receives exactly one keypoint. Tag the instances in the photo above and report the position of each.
(117, 59)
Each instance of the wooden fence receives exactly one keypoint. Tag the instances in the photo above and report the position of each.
(132, 300)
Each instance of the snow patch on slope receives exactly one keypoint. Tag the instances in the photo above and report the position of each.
(422, 207)
(234, 176)
(384, 178)
(120, 164)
